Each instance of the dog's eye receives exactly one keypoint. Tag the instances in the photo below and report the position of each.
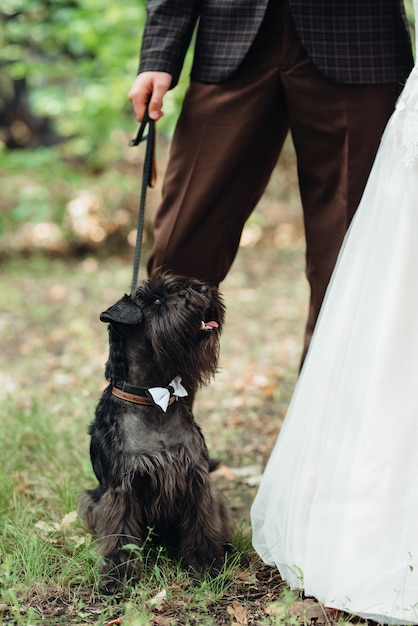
(157, 301)
(204, 289)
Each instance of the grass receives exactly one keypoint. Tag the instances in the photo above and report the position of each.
(48, 561)
(51, 373)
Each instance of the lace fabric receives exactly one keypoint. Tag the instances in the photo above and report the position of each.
(407, 111)
(406, 118)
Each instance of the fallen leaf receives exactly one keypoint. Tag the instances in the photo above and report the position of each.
(161, 620)
(44, 527)
(276, 609)
(238, 612)
(308, 610)
(247, 577)
(158, 598)
(224, 471)
(67, 520)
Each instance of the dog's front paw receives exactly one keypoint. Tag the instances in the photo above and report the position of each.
(113, 578)
(206, 566)
(110, 585)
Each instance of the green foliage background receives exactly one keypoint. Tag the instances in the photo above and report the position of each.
(79, 58)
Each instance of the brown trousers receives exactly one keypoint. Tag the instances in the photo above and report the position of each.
(227, 142)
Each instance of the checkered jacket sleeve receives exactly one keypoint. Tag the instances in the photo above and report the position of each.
(352, 41)
(225, 31)
(167, 34)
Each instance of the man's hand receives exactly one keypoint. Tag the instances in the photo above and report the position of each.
(150, 86)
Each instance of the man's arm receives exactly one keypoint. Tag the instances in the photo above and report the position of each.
(167, 34)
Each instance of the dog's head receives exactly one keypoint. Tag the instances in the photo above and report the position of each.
(172, 322)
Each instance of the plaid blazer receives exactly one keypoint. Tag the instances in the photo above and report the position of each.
(350, 41)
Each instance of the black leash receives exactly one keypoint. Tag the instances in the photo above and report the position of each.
(147, 181)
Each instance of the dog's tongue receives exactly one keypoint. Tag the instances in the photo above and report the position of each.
(209, 325)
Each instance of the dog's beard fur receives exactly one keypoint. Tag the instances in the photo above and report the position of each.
(153, 468)
(173, 309)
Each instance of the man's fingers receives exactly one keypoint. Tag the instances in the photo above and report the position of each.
(139, 95)
(149, 87)
(155, 107)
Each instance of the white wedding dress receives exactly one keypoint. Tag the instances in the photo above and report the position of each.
(337, 508)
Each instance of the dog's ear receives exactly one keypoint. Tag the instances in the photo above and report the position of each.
(125, 311)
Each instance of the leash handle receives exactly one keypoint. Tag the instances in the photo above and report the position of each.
(148, 179)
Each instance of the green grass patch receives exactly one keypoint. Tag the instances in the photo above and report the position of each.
(51, 371)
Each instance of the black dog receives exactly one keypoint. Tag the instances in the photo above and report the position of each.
(148, 454)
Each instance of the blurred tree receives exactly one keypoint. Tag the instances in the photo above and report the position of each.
(66, 67)
(72, 61)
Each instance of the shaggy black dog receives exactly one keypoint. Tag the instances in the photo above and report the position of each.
(148, 454)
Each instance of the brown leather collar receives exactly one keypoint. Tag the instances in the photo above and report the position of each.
(131, 397)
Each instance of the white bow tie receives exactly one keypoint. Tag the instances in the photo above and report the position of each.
(161, 395)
